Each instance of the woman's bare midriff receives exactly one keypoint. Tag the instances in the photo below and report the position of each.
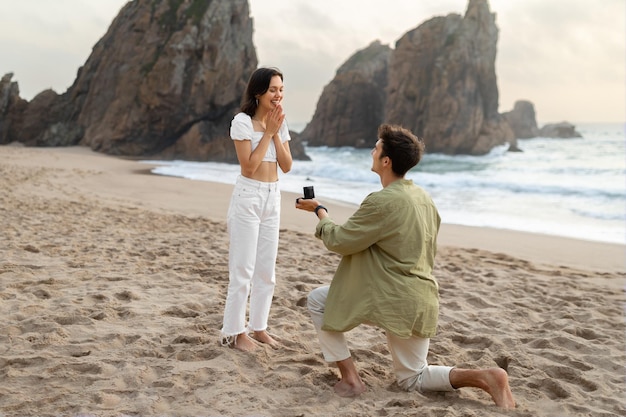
(267, 172)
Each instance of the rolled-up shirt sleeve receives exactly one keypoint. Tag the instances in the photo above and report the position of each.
(359, 232)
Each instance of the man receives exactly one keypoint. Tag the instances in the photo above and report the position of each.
(385, 278)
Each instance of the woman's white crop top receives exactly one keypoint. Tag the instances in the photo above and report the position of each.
(241, 129)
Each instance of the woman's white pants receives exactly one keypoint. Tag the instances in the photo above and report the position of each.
(253, 221)
(409, 355)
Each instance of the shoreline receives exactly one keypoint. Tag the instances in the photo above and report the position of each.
(211, 199)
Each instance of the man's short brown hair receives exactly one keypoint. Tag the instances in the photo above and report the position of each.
(401, 146)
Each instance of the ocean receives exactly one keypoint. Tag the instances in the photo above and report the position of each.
(572, 187)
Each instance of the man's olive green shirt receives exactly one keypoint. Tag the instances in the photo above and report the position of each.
(385, 275)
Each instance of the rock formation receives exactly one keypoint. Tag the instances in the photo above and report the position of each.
(11, 105)
(352, 106)
(164, 81)
(441, 84)
(167, 77)
(523, 120)
(559, 130)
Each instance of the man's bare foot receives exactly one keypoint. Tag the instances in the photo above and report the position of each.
(351, 384)
(498, 387)
(244, 343)
(495, 381)
(345, 389)
(264, 337)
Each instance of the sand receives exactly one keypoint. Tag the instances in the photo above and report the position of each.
(112, 285)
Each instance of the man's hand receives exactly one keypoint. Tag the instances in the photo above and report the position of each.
(306, 204)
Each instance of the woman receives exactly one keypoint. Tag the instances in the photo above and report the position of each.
(261, 138)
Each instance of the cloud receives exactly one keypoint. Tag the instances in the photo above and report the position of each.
(44, 43)
(564, 56)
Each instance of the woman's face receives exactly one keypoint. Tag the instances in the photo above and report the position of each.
(274, 94)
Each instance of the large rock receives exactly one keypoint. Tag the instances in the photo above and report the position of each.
(442, 83)
(164, 81)
(48, 121)
(11, 107)
(352, 105)
(163, 71)
(523, 120)
(559, 130)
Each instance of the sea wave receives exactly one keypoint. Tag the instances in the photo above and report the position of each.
(568, 187)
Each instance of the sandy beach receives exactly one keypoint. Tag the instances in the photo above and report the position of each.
(113, 280)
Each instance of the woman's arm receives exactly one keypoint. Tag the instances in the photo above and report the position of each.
(274, 122)
(283, 154)
(249, 160)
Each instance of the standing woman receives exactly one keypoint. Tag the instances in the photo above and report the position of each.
(261, 138)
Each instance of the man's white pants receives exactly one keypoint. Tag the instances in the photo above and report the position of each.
(409, 355)
(253, 221)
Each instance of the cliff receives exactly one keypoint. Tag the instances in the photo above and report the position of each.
(440, 83)
(353, 104)
(164, 81)
(167, 77)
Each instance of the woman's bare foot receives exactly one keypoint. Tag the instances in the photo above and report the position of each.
(244, 343)
(345, 389)
(264, 337)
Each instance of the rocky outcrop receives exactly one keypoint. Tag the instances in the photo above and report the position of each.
(296, 146)
(11, 106)
(352, 106)
(523, 120)
(441, 84)
(559, 130)
(164, 81)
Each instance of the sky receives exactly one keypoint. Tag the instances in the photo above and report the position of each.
(568, 57)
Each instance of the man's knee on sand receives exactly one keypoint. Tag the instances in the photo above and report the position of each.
(316, 300)
(431, 378)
